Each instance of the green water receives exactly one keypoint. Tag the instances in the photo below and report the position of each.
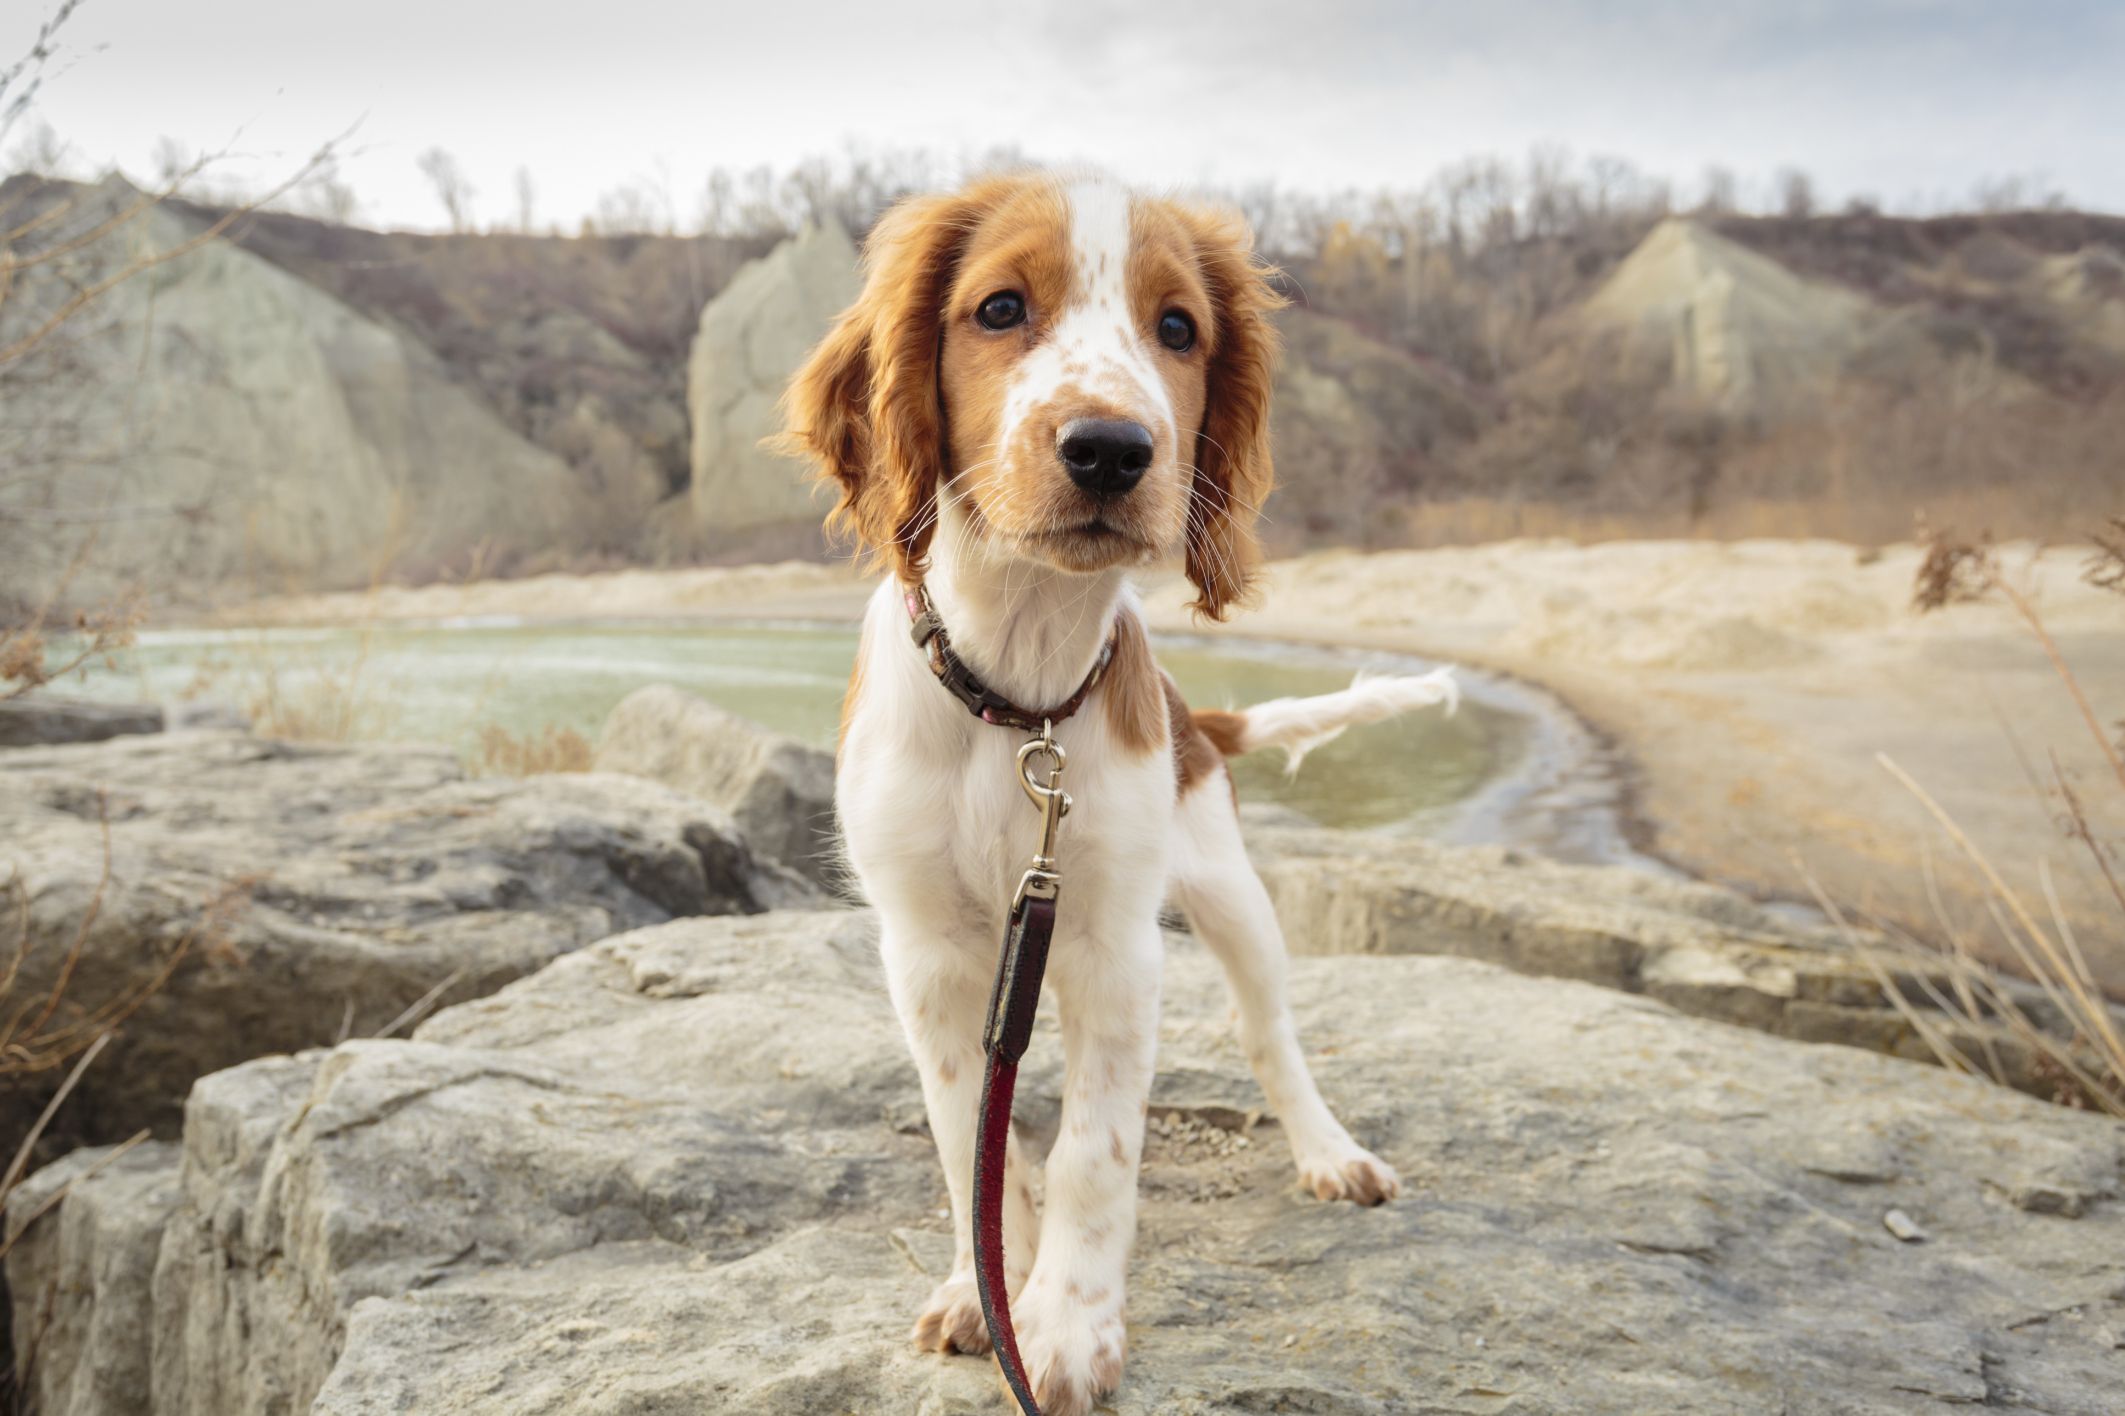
(442, 684)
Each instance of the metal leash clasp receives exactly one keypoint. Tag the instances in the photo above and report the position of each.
(1042, 879)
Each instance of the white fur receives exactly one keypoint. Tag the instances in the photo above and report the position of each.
(1299, 725)
(1095, 346)
(938, 833)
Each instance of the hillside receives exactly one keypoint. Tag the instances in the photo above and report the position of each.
(226, 422)
(304, 405)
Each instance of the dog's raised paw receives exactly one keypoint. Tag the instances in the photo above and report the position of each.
(1356, 1175)
(951, 1321)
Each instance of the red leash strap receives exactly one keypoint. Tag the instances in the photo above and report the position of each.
(1010, 1027)
(1012, 1003)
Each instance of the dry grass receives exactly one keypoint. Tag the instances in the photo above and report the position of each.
(2063, 1039)
(501, 753)
(332, 704)
(99, 632)
(45, 1029)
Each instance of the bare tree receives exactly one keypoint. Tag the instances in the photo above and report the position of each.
(717, 212)
(1553, 199)
(1720, 191)
(758, 214)
(526, 201)
(20, 81)
(1796, 193)
(1609, 180)
(629, 209)
(452, 187)
(43, 152)
(329, 197)
(172, 160)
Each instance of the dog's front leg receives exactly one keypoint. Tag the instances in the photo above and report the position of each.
(1069, 1316)
(940, 989)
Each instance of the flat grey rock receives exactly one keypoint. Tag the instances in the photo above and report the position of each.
(1703, 949)
(685, 1169)
(779, 791)
(42, 719)
(318, 892)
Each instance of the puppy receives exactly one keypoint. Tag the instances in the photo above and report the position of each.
(1046, 382)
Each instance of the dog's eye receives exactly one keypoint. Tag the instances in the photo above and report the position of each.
(1176, 331)
(1002, 310)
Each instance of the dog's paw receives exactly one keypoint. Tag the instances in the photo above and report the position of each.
(951, 1321)
(1350, 1173)
(1072, 1347)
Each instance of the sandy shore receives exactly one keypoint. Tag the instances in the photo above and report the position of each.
(1751, 685)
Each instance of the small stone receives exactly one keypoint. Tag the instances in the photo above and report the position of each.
(1904, 1227)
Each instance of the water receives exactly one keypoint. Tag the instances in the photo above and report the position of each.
(1507, 767)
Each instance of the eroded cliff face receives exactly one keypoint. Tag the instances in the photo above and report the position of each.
(752, 338)
(221, 422)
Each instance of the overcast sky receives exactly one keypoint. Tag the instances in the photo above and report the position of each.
(1908, 101)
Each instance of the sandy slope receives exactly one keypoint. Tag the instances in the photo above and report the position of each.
(1752, 683)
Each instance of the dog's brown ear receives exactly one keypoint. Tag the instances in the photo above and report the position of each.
(1234, 472)
(865, 404)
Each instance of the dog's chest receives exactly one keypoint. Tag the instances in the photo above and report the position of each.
(936, 804)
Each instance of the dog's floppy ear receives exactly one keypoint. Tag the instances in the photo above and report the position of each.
(865, 405)
(1233, 469)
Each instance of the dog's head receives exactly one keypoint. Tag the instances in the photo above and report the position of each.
(1084, 372)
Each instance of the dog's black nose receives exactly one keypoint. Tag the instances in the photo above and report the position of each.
(1106, 456)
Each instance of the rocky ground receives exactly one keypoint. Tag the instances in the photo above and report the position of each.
(683, 1165)
(685, 1169)
(299, 894)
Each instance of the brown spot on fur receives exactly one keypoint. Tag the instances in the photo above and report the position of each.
(947, 1071)
(1119, 1148)
(1227, 731)
(1201, 741)
(1107, 1366)
(1131, 694)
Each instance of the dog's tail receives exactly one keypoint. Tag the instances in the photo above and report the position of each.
(1299, 725)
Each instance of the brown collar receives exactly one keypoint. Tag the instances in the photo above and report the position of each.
(980, 700)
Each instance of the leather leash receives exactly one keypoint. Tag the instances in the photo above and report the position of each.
(1019, 965)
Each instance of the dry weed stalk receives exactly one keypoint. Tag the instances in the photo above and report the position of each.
(553, 748)
(44, 1031)
(2080, 1051)
(1955, 571)
(25, 664)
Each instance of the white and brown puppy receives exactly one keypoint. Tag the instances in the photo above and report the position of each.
(1045, 382)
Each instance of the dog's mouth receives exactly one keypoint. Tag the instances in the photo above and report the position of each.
(1094, 543)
